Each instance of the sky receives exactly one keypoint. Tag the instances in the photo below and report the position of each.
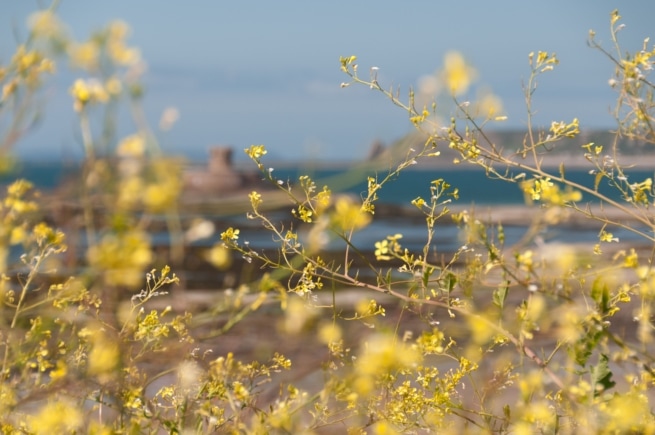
(264, 72)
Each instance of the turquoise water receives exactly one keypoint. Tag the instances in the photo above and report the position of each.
(474, 186)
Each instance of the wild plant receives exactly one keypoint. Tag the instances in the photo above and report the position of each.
(523, 337)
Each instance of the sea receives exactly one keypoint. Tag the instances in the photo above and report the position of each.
(474, 188)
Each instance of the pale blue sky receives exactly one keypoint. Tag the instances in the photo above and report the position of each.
(251, 72)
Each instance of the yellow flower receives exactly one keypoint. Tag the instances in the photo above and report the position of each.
(45, 24)
(323, 199)
(59, 416)
(17, 235)
(329, 333)
(641, 191)
(122, 257)
(164, 187)
(24, 60)
(29, 66)
(255, 199)
(121, 54)
(382, 354)
(615, 16)
(348, 215)
(131, 146)
(346, 62)
(118, 29)
(85, 55)
(130, 192)
(104, 355)
(9, 88)
(87, 92)
(631, 260)
(47, 236)
(525, 260)
(457, 74)
(113, 86)
(303, 213)
(543, 189)
(230, 235)
(544, 61)
(256, 152)
(490, 106)
(607, 237)
(161, 195)
(219, 256)
(560, 128)
(381, 250)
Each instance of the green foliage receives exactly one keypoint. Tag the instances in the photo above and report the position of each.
(529, 338)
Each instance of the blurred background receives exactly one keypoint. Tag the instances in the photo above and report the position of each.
(241, 73)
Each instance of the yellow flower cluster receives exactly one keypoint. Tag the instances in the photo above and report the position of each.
(255, 199)
(490, 106)
(384, 249)
(347, 62)
(525, 260)
(31, 62)
(457, 74)
(163, 185)
(562, 129)
(383, 354)
(117, 33)
(104, 356)
(543, 189)
(418, 119)
(256, 152)
(308, 281)
(303, 213)
(348, 215)
(61, 416)
(109, 44)
(85, 55)
(641, 62)
(593, 149)
(26, 67)
(85, 92)
(642, 191)
(45, 24)
(543, 62)
(132, 146)
(122, 256)
(48, 237)
(230, 235)
(15, 210)
(154, 184)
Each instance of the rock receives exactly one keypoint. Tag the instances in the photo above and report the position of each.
(219, 175)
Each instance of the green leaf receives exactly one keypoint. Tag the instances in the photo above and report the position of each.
(599, 176)
(601, 376)
(426, 276)
(451, 281)
(412, 290)
(500, 295)
(600, 293)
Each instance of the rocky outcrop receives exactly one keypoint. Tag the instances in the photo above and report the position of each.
(218, 176)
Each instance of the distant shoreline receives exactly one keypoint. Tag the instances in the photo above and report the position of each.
(644, 161)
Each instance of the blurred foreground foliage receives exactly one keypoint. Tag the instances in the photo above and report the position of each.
(528, 338)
